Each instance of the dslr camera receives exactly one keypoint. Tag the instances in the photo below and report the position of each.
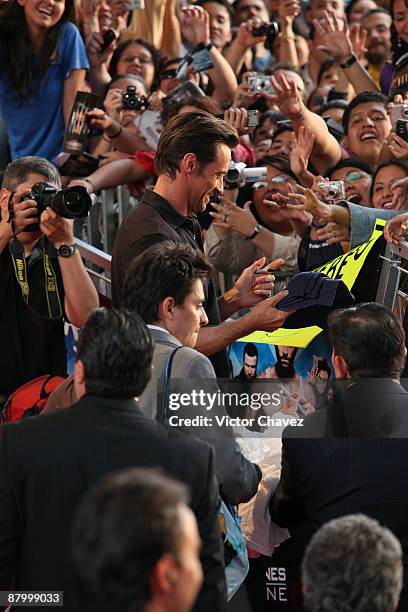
(70, 203)
(260, 84)
(132, 101)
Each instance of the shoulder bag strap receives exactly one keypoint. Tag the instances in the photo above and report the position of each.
(162, 408)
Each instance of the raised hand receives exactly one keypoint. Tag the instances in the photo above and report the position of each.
(334, 36)
(396, 229)
(195, 24)
(286, 97)
(245, 37)
(237, 118)
(301, 150)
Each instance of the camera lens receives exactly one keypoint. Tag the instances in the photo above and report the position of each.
(331, 193)
(77, 202)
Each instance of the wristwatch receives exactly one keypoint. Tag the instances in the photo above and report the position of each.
(66, 250)
(258, 229)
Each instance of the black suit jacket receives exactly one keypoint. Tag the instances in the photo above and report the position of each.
(46, 465)
(349, 460)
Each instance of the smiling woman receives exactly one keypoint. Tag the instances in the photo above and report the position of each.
(385, 177)
(42, 65)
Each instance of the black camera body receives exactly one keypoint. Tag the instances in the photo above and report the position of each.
(270, 29)
(132, 101)
(70, 203)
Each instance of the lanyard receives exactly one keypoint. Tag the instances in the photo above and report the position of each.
(50, 280)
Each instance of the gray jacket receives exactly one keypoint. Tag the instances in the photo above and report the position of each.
(190, 371)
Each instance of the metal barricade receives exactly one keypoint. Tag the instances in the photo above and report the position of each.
(389, 292)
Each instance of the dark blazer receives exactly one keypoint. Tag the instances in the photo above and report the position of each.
(347, 462)
(46, 465)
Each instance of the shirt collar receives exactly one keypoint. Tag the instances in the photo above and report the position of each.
(166, 210)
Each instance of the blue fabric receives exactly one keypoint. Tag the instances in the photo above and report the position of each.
(362, 221)
(37, 127)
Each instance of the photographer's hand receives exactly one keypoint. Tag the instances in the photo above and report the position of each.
(57, 229)
(24, 214)
(113, 103)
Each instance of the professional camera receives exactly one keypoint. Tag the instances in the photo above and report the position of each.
(260, 84)
(132, 100)
(70, 203)
(238, 175)
(333, 191)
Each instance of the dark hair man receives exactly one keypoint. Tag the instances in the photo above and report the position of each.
(334, 469)
(250, 362)
(48, 463)
(366, 126)
(191, 160)
(136, 528)
(352, 563)
(377, 24)
(42, 277)
(165, 287)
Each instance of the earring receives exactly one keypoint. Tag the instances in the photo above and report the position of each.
(399, 43)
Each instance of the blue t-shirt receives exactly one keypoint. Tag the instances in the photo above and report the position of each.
(37, 127)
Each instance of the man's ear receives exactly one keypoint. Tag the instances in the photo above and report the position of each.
(340, 366)
(166, 309)
(79, 372)
(164, 576)
(189, 163)
(4, 198)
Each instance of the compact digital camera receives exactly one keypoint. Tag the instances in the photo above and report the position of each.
(333, 191)
(260, 84)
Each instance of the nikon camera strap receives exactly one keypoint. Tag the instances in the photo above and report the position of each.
(50, 279)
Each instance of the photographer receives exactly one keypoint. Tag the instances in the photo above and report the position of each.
(52, 283)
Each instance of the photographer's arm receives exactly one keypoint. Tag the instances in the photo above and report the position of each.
(74, 83)
(237, 51)
(81, 297)
(123, 139)
(118, 172)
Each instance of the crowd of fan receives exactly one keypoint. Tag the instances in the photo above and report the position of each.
(313, 99)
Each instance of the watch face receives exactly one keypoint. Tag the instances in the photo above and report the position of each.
(65, 250)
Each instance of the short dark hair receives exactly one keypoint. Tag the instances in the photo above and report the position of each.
(282, 127)
(342, 104)
(352, 563)
(163, 270)
(328, 63)
(124, 525)
(116, 351)
(354, 162)
(279, 163)
(223, 3)
(370, 340)
(251, 350)
(19, 170)
(400, 163)
(375, 11)
(362, 98)
(197, 133)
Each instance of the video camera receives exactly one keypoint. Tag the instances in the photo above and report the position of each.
(238, 175)
(132, 101)
(70, 203)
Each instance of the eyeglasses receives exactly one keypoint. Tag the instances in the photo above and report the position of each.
(142, 59)
(353, 176)
(280, 178)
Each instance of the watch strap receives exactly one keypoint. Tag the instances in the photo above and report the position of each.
(349, 62)
(66, 250)
(258, 229)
